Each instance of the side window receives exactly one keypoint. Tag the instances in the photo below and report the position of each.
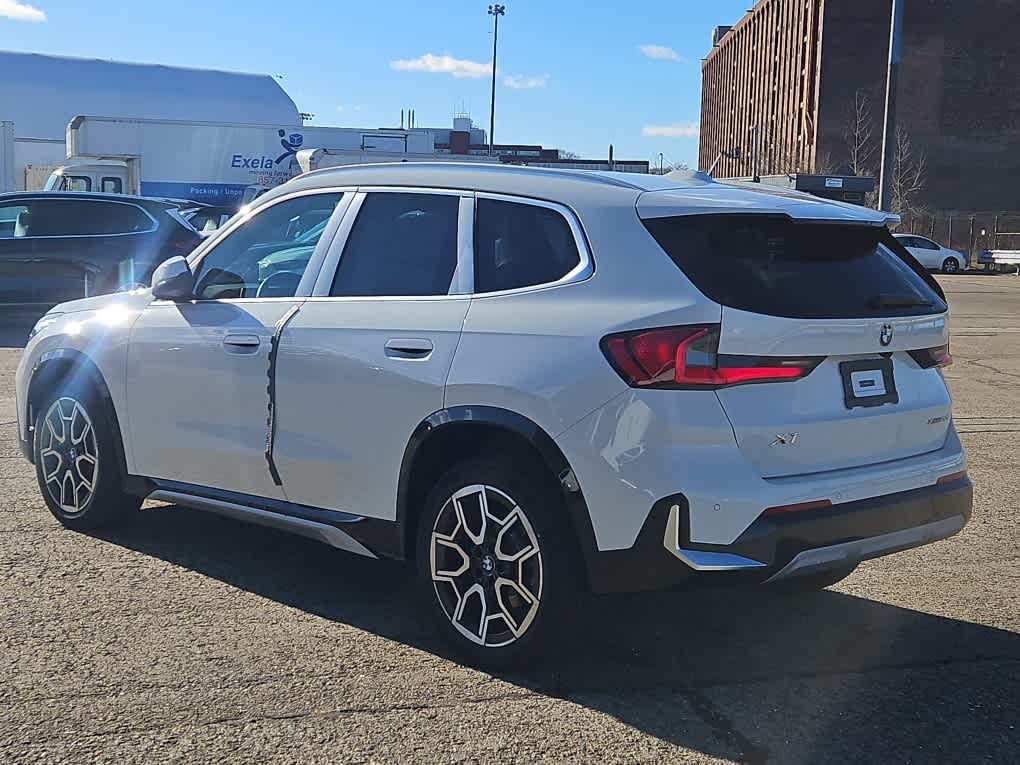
(927, 244)
(73, 217)
(14, 221)
(520, 245)
(401, 245)
(267, 255)
(114, 218)
(77, 183)
(112, 186)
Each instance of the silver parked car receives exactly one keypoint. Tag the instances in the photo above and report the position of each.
(524, 383)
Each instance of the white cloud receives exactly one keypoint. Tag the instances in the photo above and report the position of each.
(443, 65)
(661, 52)
(676, 130)
(525, 82)
(12, 9)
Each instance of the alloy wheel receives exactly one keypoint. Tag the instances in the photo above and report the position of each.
(486, 566)
(950, 266)
(69, 455)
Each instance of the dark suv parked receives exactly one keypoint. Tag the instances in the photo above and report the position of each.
(57, 246)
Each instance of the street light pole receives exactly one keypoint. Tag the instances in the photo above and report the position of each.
(660, 163)
(496, 10)
(885, 184)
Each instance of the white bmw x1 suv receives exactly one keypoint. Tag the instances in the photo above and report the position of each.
(523, 382)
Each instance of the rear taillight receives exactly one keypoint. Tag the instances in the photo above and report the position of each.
(688, 357)
(927, 358)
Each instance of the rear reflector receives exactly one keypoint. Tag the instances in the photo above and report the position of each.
(799, 507)
(927, 358)
(687, 357)
(951, 477)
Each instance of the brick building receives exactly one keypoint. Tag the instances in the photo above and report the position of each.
(797, 69)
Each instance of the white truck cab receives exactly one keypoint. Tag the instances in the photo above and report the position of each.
(110, 176)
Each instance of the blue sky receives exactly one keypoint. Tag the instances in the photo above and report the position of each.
(573, 75)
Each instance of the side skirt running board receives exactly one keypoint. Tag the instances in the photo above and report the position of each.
(321, 532)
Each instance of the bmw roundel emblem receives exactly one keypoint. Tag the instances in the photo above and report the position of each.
(885, 337)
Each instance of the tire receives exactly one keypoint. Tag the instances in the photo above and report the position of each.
(814, 582)
(77, 462)
(950, 266)
(495, 612)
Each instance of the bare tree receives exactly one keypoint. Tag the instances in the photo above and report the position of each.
(909, 171)
(860, 136)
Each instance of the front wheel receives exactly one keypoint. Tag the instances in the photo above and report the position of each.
(950, 266)
(496, 564)
(77, 463)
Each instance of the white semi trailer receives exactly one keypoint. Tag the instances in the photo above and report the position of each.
(26, 163)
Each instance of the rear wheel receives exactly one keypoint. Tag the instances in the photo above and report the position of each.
(495, 561)
(76, 460)
(950, 266)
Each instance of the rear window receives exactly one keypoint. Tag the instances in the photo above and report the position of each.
(80, 217)
(770, 265)
(521, 245)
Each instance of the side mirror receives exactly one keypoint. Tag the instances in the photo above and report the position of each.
(173, 280)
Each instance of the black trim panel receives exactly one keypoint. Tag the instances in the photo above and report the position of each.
(647, 565)
(26, 447)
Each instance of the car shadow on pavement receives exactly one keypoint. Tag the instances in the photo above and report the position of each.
(14, 332)
(749, 675)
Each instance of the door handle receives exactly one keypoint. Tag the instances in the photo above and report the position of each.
(408, 348)
(241, 343)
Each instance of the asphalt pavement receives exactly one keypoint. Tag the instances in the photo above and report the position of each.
(186, 637)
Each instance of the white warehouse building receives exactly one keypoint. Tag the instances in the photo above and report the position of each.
(40, 94)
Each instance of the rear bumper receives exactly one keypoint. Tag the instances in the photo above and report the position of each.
(785, 546)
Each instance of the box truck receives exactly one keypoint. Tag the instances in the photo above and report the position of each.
(211, 162)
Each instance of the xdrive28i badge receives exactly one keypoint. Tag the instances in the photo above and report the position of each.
(885, 336)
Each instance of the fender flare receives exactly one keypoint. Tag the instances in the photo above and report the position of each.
(519, 425)
(62, 361)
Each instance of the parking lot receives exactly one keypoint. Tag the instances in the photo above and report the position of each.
(188, 637)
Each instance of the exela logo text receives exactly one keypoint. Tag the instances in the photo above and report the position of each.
(289, 143)
(252, 163)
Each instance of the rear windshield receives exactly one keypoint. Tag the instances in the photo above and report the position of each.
(767, 264)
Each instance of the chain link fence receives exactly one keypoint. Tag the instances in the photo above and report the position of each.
(970, 233)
